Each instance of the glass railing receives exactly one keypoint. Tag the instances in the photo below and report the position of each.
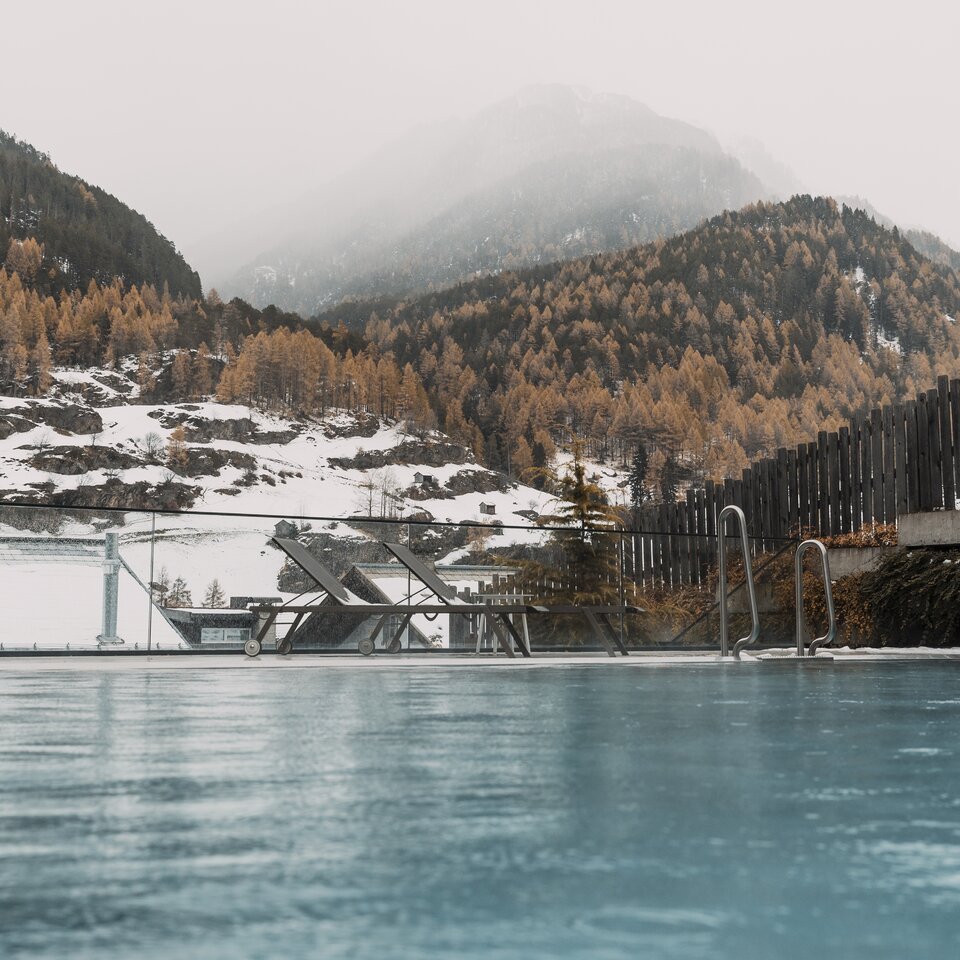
(99, 580)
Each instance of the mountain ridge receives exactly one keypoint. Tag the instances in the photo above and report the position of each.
(86, 233)
(384, 204)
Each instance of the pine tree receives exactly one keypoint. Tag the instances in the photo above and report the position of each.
(638, 474)
(179, 594)
(670, 479)
(161, 586)
(588, 545)
(214, 597)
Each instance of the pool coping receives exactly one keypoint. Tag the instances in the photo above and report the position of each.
(30, 662)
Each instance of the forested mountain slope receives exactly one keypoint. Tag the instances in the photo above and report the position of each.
(85, 233)
(745, 333)
(750, 332)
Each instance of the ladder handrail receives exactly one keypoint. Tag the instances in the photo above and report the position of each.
(754, 635)
(831, 633)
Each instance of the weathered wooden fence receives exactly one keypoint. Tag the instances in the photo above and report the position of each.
(898, 459)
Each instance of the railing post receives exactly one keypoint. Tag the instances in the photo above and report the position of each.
(828, 637)
(733, 510)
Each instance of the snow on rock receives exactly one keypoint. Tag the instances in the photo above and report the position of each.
(889, 343)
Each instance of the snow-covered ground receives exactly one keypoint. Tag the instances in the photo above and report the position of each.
(291, 476)
(611, 480)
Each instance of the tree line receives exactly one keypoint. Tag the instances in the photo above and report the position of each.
(708, 350)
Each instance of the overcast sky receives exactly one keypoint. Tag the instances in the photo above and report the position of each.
(198, 112)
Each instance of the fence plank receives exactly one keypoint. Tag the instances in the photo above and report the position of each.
(946, 443)
(703, 547)
(845, 498)
(856, 494)
(889, 483)
(660, 557)
(693, 541)
(766, 502)
(823, 485)
(674, 527)
(783, 485)
(711, 514)
(923, 453)
(900, 457)
(833, 461)
(933, 439)
(955, 431)
(793, 493)
(813, 469)
(663, 546)
(718, 506)
(653, 522)
(641, 547)
(866, 469)
(746, 479)
(756, 492)
(684, 541)
(911, 415)
(803, 488)
(876, 463)
(668, 547)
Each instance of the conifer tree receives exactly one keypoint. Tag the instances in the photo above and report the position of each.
(670, 479)
(638, 474)
(586, 539)
(214, 597)
(179, 594)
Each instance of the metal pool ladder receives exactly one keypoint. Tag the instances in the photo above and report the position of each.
(828, 637)
(754, 634)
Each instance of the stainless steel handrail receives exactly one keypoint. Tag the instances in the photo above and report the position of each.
(752, 637)
(831, 633)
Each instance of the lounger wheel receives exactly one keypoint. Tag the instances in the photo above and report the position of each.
(284, 646)
(394, 646)
(366, 646)
(252, 648)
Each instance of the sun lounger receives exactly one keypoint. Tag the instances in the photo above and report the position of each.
(333, 593)
(596, 616)
(500, 622)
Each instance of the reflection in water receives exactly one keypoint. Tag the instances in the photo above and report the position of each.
(753, 811)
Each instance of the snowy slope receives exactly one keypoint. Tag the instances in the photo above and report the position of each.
(299, 470)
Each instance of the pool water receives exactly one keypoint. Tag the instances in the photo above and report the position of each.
(742, 811)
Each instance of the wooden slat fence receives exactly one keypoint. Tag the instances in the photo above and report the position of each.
(901, 458)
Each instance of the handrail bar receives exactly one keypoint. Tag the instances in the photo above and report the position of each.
(831, 633)
(754, 634)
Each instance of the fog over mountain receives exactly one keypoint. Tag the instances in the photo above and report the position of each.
(554, 171)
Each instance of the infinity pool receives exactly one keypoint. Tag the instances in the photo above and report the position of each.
(743, 811)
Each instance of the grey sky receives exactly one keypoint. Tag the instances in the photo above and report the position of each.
(199, 112)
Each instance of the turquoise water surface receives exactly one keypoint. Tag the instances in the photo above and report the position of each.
(743, 811)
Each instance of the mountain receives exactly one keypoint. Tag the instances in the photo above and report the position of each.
(923, 241)
(749, 332)
(930, 245)
(552, 172)
(86, 233)
(774, 173)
